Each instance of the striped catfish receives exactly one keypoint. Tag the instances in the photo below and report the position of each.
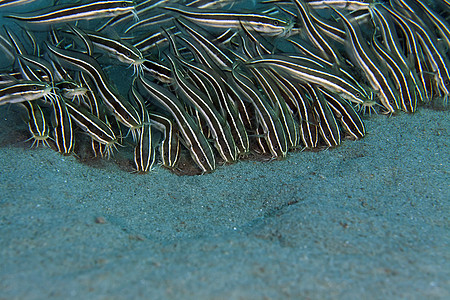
(308, 72)
(11, 3)
(263, 24)
(43, 66)
(95, 108)
(149, 21)
(37, 124)
(350, 5)
(72, 90)
(92, 125)
(310, 121)
(144, 151)
(438, 59)
(413, 53)
(140, 9)
(122, 51)
(259, 43)
(170, 145)
(150, 40)
(349, 119)
(273, 92)
(14, 42)
(124, 111)
(302, 107)
(273, 130)
(69, 13)
(328, 127)
(437, 21)
(315, 35)
(400, 75)
(217, 124)
(193, 138)
(157, 70)
(24, 90)
(368, 63)
(204, 39)
(392, 44)
(224, 100)
(63, 131)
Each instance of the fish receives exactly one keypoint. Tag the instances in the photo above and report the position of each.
(217, 124)
(308, 72)
(264, 24)
(273, 131)
(170, 145)
(119, 106)
(193, 138)
(63, 131)
(70, 13)
(37, 124)
(94, 126)
(12, 3)
(144, 151)
(24, 90)
(366, 60)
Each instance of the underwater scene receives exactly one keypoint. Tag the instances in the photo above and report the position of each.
(224, 149)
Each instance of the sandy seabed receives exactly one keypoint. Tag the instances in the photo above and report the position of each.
(367, 220)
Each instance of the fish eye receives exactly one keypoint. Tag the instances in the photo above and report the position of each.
(124, 4)
(128, 54)
(446, 82)
(202, 159)
(34, 87)
(127, 117)
(357, 95)
(276, 23)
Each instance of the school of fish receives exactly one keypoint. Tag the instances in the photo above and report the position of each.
(215, 81)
